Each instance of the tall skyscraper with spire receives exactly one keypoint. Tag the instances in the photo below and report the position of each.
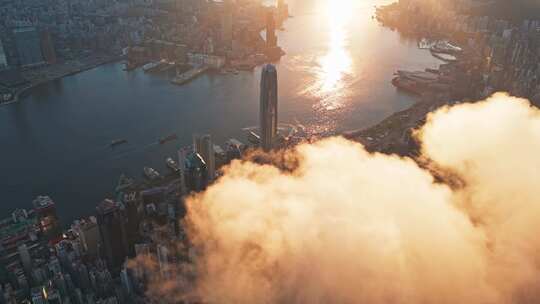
(268, 107)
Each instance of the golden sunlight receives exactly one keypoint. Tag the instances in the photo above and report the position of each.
(337, 61)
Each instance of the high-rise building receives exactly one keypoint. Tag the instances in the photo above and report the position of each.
(45, 209)
(163, 260)
(112, 229)
(126, 281)
(47, 47)
(83, 277)
(54, 266)
(233, 150)
(37, 296)
(203, 145)
(196, 173)
(271, 38)
(25, 257)
(53, 297)
(88, 232)
(3, 57)
(227, 24)
(283, 10)
(142, 252)
(28, 45)
(133, 212)
(268, 115)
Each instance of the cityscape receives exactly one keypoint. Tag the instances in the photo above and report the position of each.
(188, 37)
(430, 198)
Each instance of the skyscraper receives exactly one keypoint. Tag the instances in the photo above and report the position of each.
(37, 296)
(202, 144)
(282, 10)
(3, 58)
(28, 45)
(48, 220)
(25, 257)
(271, 38)
(126, 281)
(112, 229)
(196, 174)
(47, 47)
(268, 107)
(227, 24)
(88, 232)
(163, 260)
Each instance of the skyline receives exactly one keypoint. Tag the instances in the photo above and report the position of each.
(299, 151)
(220, 105)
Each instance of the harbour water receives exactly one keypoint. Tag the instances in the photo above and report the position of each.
(336, 76)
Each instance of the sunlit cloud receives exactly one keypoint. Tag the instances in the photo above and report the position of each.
(347, 226)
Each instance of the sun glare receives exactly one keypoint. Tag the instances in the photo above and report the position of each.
(336, 63)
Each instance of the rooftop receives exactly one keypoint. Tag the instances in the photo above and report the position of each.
(42, 202)
(107, 206)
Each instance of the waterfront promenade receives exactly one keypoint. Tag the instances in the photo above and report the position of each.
(42, 75)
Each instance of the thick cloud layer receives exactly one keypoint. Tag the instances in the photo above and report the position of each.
(347, 226)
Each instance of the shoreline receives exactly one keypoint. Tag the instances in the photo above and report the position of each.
(468, 77)
(361, 135)
(394, 133)
(18, 95)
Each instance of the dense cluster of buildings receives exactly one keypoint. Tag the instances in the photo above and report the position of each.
(89, 262)
(495, 53)
(95, 259)
(46, 39)
(36, 33)
(216, 33)
(499, 54)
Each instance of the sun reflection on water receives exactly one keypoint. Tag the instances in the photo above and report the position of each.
(336, 64)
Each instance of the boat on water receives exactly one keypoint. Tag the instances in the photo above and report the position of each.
(151, 173)
(418, 75)
(117, 142)
(434, 71)
(407, 85)
(444, 56)
(150, 66)
(172, 164)
(188, 76)
(166, 139)
(445, 47)
(425, 44)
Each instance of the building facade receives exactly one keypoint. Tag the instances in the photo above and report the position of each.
(112, 229)
(196, 173)
(268, 118)
(28, 42)
(3, 57)
(203, 145)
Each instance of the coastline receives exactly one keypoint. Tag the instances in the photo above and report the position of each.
(479, 66)
(394, 134)
(71, 71)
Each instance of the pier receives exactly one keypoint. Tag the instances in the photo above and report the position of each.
(189, 75)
